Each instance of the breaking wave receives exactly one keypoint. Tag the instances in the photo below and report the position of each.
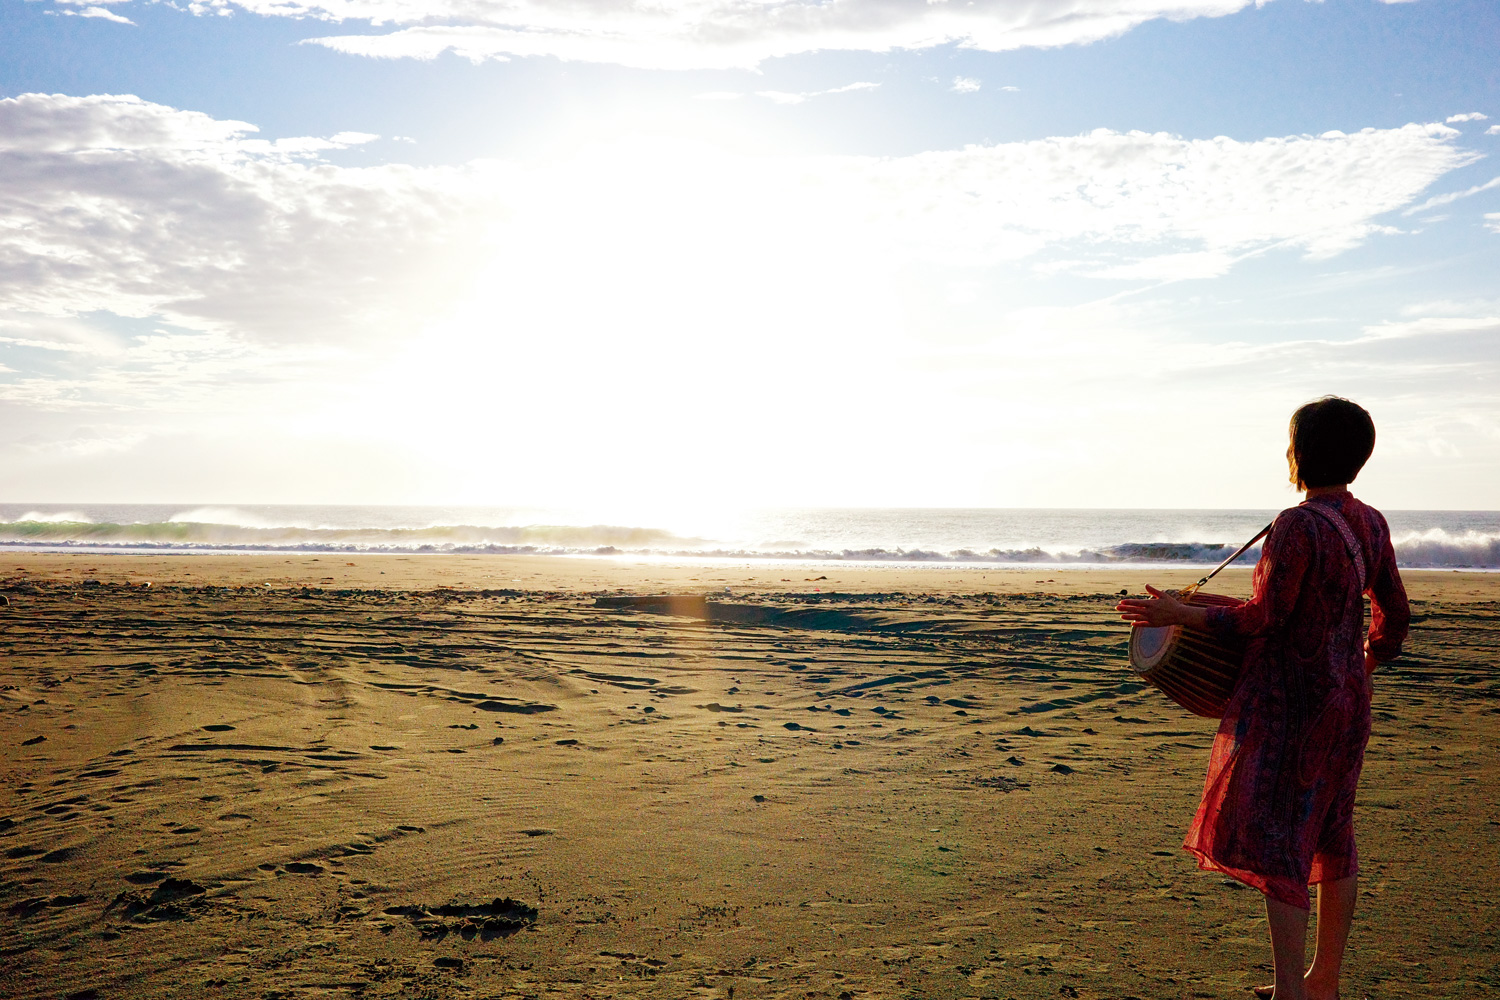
(229, 529)
(195, 535)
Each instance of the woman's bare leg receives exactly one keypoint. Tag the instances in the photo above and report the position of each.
(1335, 915)
(1288, 947)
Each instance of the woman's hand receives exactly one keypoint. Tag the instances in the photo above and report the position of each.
(1162, 609)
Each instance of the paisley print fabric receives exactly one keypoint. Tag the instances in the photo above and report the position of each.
(1278, 802)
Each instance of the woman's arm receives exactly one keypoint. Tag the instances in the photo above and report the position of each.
(1390, 614)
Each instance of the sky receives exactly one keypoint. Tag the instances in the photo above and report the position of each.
(652, 254)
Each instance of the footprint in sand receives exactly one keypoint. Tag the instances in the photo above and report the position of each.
(219, 728)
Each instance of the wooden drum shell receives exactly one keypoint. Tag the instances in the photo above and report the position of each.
(1191, 667)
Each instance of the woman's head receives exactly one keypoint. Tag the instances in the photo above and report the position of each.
(1332, 439)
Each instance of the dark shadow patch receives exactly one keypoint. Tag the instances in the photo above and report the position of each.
(173, 899)
(514, 707)
(499, 918)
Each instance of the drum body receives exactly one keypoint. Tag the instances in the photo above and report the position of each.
(1191, 667)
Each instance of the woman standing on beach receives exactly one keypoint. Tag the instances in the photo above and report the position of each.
(1278, 803)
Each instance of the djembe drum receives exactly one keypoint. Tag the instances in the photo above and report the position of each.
(1191, 667)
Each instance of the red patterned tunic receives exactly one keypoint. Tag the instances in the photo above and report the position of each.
(1278, 802)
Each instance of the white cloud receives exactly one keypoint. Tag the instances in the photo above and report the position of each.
(782, 97)
(1492, 130)
(965, 85)
(1492, 221)
(1116, 191)
(1447, 199)
(103, 13)
(198, 267)
(699, 34)
(55, 123)
(1168, 267)
(172, 285)
(120, 205)
(1472, 116)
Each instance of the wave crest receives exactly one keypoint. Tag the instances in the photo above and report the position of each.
(229, 529)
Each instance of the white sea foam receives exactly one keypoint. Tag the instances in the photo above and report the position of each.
(233, 516)
(1438, 548)
(53, 517)
(1432, 539)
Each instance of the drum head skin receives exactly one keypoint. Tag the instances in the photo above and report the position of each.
(1149, 646)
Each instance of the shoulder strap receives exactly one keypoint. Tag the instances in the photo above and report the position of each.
(1340, 525)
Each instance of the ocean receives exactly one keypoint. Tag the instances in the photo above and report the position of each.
(999, 536)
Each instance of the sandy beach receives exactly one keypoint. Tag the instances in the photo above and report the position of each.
(448, 776)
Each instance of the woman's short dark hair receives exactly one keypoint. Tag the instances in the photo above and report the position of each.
(1332, 438)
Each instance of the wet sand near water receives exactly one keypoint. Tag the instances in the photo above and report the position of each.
(422, 571)
(920, 785)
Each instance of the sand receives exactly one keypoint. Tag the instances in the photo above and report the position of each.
(886, 783)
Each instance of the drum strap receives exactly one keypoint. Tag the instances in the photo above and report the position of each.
(1192, 589)
(1340, 525)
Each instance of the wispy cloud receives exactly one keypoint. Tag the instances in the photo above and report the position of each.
(159, 267)
(137, 209)
(132, 208)
(711, 33)
(1447, 199)
(103, 13)
(965, 85)
(1472, 116)
(783, 97)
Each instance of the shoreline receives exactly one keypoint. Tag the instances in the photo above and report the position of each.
(576, 574)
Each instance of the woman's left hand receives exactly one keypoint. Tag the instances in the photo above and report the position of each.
(1162, 609)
